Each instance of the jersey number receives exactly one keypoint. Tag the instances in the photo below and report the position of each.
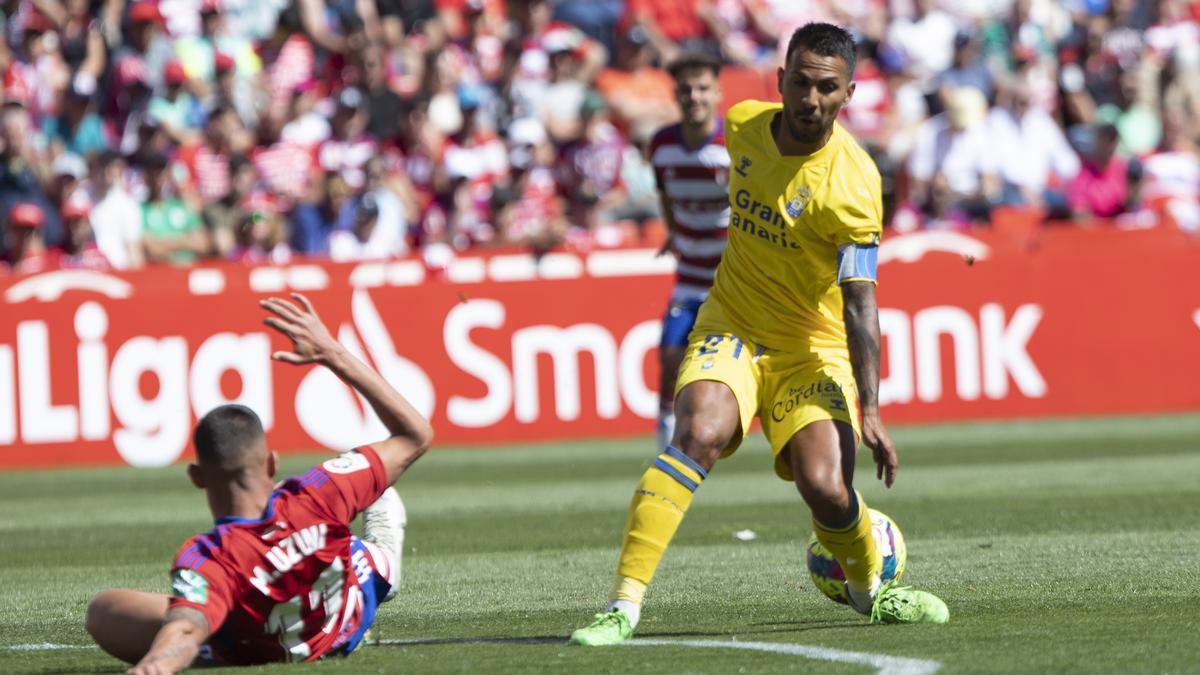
(286, 620)
(709, 347)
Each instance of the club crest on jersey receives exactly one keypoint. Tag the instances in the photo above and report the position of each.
(190, 586)
(796, 204)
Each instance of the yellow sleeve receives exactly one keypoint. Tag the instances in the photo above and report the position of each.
(857, 213)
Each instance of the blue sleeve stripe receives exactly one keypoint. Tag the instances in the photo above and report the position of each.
(662, 465)
(857, 261)
(315, 477)
(690, 463)
(191, 557)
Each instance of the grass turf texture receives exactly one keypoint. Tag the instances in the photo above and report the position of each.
(1066, 546)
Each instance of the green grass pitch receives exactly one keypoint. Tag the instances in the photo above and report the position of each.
(1066, 546)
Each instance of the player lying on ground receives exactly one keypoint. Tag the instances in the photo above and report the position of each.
(789, 333)
(281, 577)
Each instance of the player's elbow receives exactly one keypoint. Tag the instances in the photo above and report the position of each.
(414, 442)
(423, 439)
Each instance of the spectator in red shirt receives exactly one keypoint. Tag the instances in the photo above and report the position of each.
(288, 59)
(1172, 187)
(207, 161)
(26, 252)
(672, 26)
(456, 15)
(534, 217)
(79, 249)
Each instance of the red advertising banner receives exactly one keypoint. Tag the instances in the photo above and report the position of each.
(111, 368)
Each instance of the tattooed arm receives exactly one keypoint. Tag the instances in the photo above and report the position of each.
(862, 337)
(176, 645)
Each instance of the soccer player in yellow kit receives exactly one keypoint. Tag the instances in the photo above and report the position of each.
(789, 333)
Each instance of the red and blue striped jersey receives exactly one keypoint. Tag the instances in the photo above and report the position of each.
(694, 182)
(282, 587)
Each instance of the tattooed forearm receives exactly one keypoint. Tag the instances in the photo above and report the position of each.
(171, 652)
(177, 642)
(862, 338)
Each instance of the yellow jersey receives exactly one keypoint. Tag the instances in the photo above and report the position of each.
(777, 281)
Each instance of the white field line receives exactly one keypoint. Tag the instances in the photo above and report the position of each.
(44, 647)
(885, 665)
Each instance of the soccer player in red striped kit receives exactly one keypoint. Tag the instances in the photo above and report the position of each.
(691, 167)
(281, 576)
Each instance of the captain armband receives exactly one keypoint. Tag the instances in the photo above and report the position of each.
(857, 262)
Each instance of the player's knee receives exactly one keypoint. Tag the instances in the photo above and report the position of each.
(825, 493)
(702, 439)
(97, 614)
(99, 620)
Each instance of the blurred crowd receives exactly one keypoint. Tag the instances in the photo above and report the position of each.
(166, 131)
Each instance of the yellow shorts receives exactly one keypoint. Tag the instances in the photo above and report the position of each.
(787, 391)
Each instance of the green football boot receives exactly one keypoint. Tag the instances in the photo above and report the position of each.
(904, 604)
(607, 628)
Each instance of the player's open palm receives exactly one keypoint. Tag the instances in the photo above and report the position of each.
(311, 341)
(875, 436)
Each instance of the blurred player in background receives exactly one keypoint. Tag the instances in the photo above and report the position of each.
(691, 167)
(281, 577)
(789, 333)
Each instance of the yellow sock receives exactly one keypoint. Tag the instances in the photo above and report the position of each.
(853, 546)
(659, 502)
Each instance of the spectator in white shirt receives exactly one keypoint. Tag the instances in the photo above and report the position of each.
(927, 41)
(364, 239)
(1036, 160)
(954, 165)
(116, 217)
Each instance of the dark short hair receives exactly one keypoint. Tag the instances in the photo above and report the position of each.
(823, 39)
(692, 60)
(223, 436)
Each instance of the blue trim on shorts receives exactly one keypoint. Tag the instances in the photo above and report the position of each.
(373, 592)
(678, 321)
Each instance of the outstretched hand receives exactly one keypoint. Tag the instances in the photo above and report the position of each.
(311, 341)
(875, 436)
